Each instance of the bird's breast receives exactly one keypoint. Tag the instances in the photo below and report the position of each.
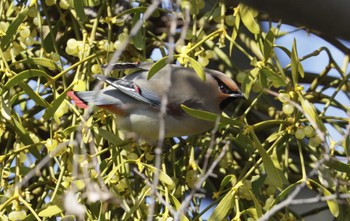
(146, 123)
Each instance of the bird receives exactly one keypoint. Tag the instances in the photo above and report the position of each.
(136, 100)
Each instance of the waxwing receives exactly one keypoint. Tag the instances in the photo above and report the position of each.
(136, 101)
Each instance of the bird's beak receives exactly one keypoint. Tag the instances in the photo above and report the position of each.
(237, 94)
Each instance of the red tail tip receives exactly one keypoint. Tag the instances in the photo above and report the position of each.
(77, 100)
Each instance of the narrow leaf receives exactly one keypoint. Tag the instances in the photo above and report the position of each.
(283, 194)
(198, 68)
(295, 64)
(138, 39)
(156, 67)
(140, 199)
(33, 95)
(50, 111)
(24, 75)
(21, 132)
(5, 106)
(44, 62)
(107, 135)
(50, 211)
(234, 32)
(79, 8)
(12, 29)
(249, 80)
(227, 180)
(310, 111)
(162, 175)
(275, 78)
(137, 10)
(220, 212)
(256, 205)
(92, 3)
(338, 165)
(275, 178)
(268, 44)
(177, 204)
(49, 41)
(208, 116)
(247, 16)
(332, 204)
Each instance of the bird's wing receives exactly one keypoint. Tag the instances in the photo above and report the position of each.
(131, 89)
(129, 65)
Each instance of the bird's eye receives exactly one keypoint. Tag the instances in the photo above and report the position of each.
(223, 88)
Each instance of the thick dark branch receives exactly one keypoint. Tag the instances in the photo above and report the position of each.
(328, 17)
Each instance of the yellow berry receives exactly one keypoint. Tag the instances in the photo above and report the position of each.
(72, 43)
(315, 141)
(95, 69)
(309, 131)
(25, 32)
(203, 61)
(230, 20)
(299, 134)
(17, 215)
(288, 108)
(55, 57)
(64, 4)
(50, 2)
(283, 97)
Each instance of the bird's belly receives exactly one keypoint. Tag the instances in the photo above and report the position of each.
(147, 125)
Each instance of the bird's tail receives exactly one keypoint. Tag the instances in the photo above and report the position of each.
(81, 98)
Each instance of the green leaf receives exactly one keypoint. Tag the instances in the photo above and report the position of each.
(198, 68)
(251, 212)
(284, 49)
(21, 131)
(138, 10)
(33, 95)
(12, 29)
(234, 35)
(44, 62)
(79, 9)
(227, 180)
(50, 111)
(249, 80)
(177, 204)
(284, 193)
(275, 177)
(138, 39)
(243, 141)
(294, 63)
(268, 44)
(50, 211)
(68, 130)
(276, 79)
(208, 116)
(257, 205)
(92, 3)
(310, 111)
(107, 135)
(162, 175)
(24, 75)
(296, 66)
(346, 144)
(140, 199)
(156, 67)
(5, 106)
(247, 15)
(338, 165)
(49, 41)
(332, 204)
(220, 212)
